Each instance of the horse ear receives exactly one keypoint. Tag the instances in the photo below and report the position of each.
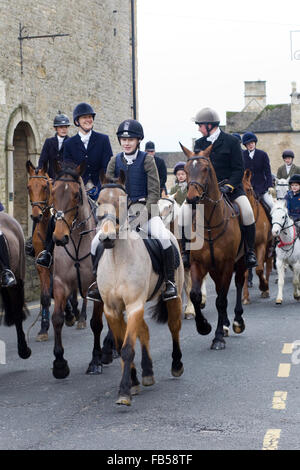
(45, 167)
(188, 153)
(29, 167)
(81, 168)
(103, 178)
(57, 166)
(207, 152)
(247, 175)
(122, 177)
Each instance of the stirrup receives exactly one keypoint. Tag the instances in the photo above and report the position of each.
(170, 292)
(44, 259)
(7, 278)
(93, 293)
(251, 261)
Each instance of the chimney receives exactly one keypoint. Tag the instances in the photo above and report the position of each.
(255, 96)
(295, 108)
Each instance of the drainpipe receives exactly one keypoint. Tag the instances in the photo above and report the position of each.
(133, 59)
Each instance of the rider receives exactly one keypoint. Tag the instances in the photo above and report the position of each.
(89, 146)
(161, 167)
(293, 198)
(257, 161)
(180, 187)
(288, 169)
(52, 150)
(7, 277)
(227, 160)
(142, 185)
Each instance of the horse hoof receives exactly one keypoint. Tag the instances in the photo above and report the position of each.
(218, 345)
(42, 337)
(70, 321)
(202, 306)
(60, 369)
(189, 316)
(115, 354)
(296, 297)
(81, 325)
(265, 295)
(278, 301)
(226, 331)
(94, 369)
(204, 328)
(25, 353)
(246, 302)
(135, 390)
(177, 372)
(238, 328)
(148, 381)
(124, 401)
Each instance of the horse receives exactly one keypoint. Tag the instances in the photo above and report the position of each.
(128, 284)
(263, 241)
(13, 298)
(39, 189)
(222, 251)
(287, 250)
(281, 187)
(170, 213)
(72, 267)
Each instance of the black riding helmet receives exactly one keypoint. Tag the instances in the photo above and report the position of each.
(61, 120)
(82, 109)
(130, 128)
(295, 179)
(288, 153)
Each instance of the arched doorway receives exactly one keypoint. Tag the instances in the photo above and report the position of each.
(22, 133)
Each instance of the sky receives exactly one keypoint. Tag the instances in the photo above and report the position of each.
(195, 53)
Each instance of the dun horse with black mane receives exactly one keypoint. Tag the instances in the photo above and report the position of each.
(222, 251)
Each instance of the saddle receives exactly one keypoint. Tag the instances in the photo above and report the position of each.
(265, 206)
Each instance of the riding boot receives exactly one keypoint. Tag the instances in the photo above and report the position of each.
(7, 277)
(169, 266)
(44, 258)
(185, 254)
(249, 233)
(29, 250)
(93, 291)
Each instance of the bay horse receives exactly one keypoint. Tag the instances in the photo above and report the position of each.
(39, 189)
(287, 250)
(222, 251)
(128, 284)
(13, 298)
(263, 241)
(72, 266)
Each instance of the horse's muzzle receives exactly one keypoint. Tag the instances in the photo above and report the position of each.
(61, 242)
(36, 218)
(108, 243)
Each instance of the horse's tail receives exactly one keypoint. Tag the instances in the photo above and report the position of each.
(160, 312)
(13, 304)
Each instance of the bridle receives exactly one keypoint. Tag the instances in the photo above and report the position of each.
(42, 205)
(282, 244)
(60, 215)
(111, 217)
(203, 187)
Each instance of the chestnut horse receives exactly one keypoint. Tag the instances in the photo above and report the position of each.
(72, 267)
(39, 189)
(129, 282)
(13, 302)
(263, 241)
(222, 251)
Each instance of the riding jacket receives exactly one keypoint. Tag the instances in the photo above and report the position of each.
(293, 205)
(227, 160)
(97, 155)
(282, 173)
(50, 153)
(142, 180)
(259, 166)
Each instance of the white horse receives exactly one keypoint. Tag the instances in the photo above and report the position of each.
(281, 187)
(171, 213)
(287, 250)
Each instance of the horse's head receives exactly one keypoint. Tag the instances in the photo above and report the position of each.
(168, 209)
(39, 189)
(67, 198)
(199, 172)
(280, 217)
(112, 209)
(247, 183)
(281, 187)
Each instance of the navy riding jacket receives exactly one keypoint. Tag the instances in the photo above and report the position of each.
(293, 205)
(50, 153)
(259, 165)
(97, 155)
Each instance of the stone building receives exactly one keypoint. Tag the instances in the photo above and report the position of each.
(39, 76)
(277, 126)
(90, 56)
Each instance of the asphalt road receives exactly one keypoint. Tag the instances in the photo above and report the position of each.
(225, 400)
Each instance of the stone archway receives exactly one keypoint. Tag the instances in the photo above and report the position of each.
(22, 144)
